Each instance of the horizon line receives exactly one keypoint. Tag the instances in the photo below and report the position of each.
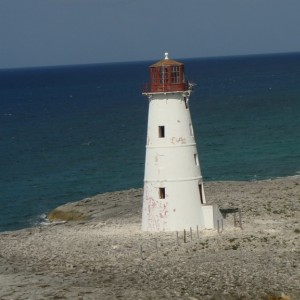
(148, 60)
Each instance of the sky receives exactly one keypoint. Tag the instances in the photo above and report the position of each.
(68, 32)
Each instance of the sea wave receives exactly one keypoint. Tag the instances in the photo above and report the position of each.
(42, 220)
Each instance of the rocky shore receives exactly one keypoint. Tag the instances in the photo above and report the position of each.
(99, 251)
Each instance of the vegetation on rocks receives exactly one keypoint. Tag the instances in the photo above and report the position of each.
(60, 215)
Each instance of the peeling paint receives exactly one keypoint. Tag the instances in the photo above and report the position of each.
(178, 140)
(156, 211)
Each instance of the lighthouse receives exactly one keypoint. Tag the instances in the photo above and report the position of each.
(174, 197)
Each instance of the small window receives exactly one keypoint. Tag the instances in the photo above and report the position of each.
(162, 193)
(161, 131)
(196, 159)
(163, 75)
(201, 193)
(186, 103)
(153, 73)
(175, 75)
(191, 130)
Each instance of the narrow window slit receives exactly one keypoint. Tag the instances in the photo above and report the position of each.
(186, 103)
(161, 131)
(201, 192)
(191, 130)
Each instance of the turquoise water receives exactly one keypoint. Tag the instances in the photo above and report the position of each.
(72, 132)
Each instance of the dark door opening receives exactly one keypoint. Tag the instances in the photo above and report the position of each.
(162, 193)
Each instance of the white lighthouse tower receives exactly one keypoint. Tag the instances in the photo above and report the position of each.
(174, 196)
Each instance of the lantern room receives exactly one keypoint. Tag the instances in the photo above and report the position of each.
(166, 76)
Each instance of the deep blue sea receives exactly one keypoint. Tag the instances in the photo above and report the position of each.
(71, 132)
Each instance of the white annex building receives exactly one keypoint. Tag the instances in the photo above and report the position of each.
(174, 196)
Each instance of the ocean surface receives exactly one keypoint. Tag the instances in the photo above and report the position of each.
(71, 132)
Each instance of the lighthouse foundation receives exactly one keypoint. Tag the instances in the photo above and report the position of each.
(173, 210)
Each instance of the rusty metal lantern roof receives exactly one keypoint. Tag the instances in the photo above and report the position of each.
(166, 62)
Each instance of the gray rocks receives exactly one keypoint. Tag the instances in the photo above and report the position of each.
(100, 258)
